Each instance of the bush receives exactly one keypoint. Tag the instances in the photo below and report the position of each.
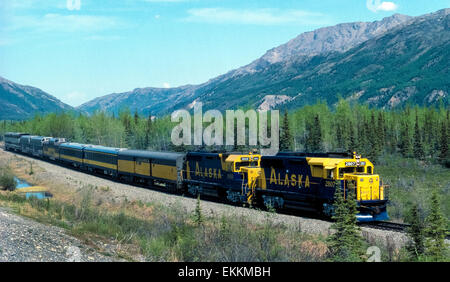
(7, 181)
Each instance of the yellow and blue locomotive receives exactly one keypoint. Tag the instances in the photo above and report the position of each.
(309, 181)
(220, 175)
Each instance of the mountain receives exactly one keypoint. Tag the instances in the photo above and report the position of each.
(22, 102)
(386, 64)
(146, 100)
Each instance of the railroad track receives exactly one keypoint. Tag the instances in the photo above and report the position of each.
(386, 225)
(392, 226)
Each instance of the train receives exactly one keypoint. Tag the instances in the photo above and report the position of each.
(292, 181)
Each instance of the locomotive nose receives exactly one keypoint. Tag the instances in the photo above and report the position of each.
(370, 197)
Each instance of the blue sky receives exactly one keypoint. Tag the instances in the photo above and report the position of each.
(77, 50)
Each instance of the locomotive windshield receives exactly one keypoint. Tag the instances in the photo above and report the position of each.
(359, 169)
(238, 165)
(344, 170)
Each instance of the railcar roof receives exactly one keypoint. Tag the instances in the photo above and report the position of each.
(27, 136)
(208, 154)
(15, 134)
(96, 148)
(73, 145)
(151, 154)
(336, 155)
(38, 137)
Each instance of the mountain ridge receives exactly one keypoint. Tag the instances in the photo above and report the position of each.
(22, 101)
(282, 64)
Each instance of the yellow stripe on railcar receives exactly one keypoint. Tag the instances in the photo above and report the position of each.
(164, 171)
(101, 164)
(126, 166)
(142, 167)
(72, 158)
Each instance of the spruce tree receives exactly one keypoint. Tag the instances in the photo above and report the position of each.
(443, 154)
(436, 230)
(352, 143)
(197, 217)
(381, 132)
(286, 136)
(346, 243)
(418, 145)
(405, 141)
(314, 137)
(148, 130)
(339, 138)
(415, 231)
(136, 117)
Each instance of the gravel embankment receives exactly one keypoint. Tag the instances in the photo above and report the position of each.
(118, 192)
(24, 240)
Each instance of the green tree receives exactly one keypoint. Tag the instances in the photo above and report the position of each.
(314, 139)
(346, 243)
(286, 139)
(353, 139)
(443, 154)
(148, 131)
(405, 141)
(435, 231)
(381, 131)
(418, 145)
(197, 216)
(374, 140)
(415, 231)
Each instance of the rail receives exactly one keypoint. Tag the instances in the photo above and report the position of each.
(392, 226)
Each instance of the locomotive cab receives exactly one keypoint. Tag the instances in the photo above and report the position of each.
(355, 175)
(235, 163)
(246, 170)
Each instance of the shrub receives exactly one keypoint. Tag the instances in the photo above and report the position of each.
(7, 181)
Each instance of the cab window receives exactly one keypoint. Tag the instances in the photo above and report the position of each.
(369, 170)
(238, 165)
(360, 169)
(346, 170)
(330, 173)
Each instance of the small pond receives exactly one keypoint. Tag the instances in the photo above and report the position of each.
(39, 195)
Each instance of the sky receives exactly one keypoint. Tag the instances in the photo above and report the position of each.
(77, 50)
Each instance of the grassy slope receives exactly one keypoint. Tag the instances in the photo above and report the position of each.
(412, 181)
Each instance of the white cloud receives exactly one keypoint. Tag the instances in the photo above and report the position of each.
(377, 5)
(73, 5)
(63, 23)
(255, 16)
(166, 85)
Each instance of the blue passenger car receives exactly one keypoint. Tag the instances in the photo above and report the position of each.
(72, 154)
(101, 159)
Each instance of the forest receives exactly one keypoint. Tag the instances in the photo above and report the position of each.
(411, 132)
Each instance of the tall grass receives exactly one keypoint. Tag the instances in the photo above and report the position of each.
(171, 234)
(412, 181)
